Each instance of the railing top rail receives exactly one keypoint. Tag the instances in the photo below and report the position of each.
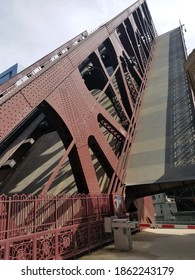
(23, 197)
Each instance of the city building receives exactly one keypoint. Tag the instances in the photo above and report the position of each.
(9, 73)
(190, 69)
(164, 207)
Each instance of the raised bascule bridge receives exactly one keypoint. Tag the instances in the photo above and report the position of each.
(107, 115)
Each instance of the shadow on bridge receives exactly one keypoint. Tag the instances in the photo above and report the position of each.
(172, 125)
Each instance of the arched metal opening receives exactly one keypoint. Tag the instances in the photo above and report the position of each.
(67, 138)
(46, 159)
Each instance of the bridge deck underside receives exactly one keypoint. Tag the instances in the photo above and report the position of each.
(163, 153)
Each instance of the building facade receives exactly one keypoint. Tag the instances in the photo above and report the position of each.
(190, 69)
(8, 74)
(164, 208)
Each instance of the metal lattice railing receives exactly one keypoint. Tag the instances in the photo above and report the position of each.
(51, 227)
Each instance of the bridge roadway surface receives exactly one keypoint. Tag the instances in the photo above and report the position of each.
(152, 244)
(163, 152)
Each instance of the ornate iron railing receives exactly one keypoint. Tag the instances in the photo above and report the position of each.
(51, 227)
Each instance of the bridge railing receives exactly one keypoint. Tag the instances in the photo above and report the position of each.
(57, 228)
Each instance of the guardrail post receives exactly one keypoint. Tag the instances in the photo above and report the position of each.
(8, 218)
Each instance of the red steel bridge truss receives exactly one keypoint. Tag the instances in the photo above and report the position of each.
(89, 91)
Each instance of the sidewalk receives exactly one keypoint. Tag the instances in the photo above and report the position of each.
(152, 244)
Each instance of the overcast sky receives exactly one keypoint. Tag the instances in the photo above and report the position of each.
(29, 29)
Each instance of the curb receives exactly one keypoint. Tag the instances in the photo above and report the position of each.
(142, 225)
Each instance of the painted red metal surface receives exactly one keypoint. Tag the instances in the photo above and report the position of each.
(58, 227)
(75, 86)
(126, 42)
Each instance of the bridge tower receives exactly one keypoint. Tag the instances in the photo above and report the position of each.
(69, 125)
(89, 91)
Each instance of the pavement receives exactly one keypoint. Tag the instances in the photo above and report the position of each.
(152, 244)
